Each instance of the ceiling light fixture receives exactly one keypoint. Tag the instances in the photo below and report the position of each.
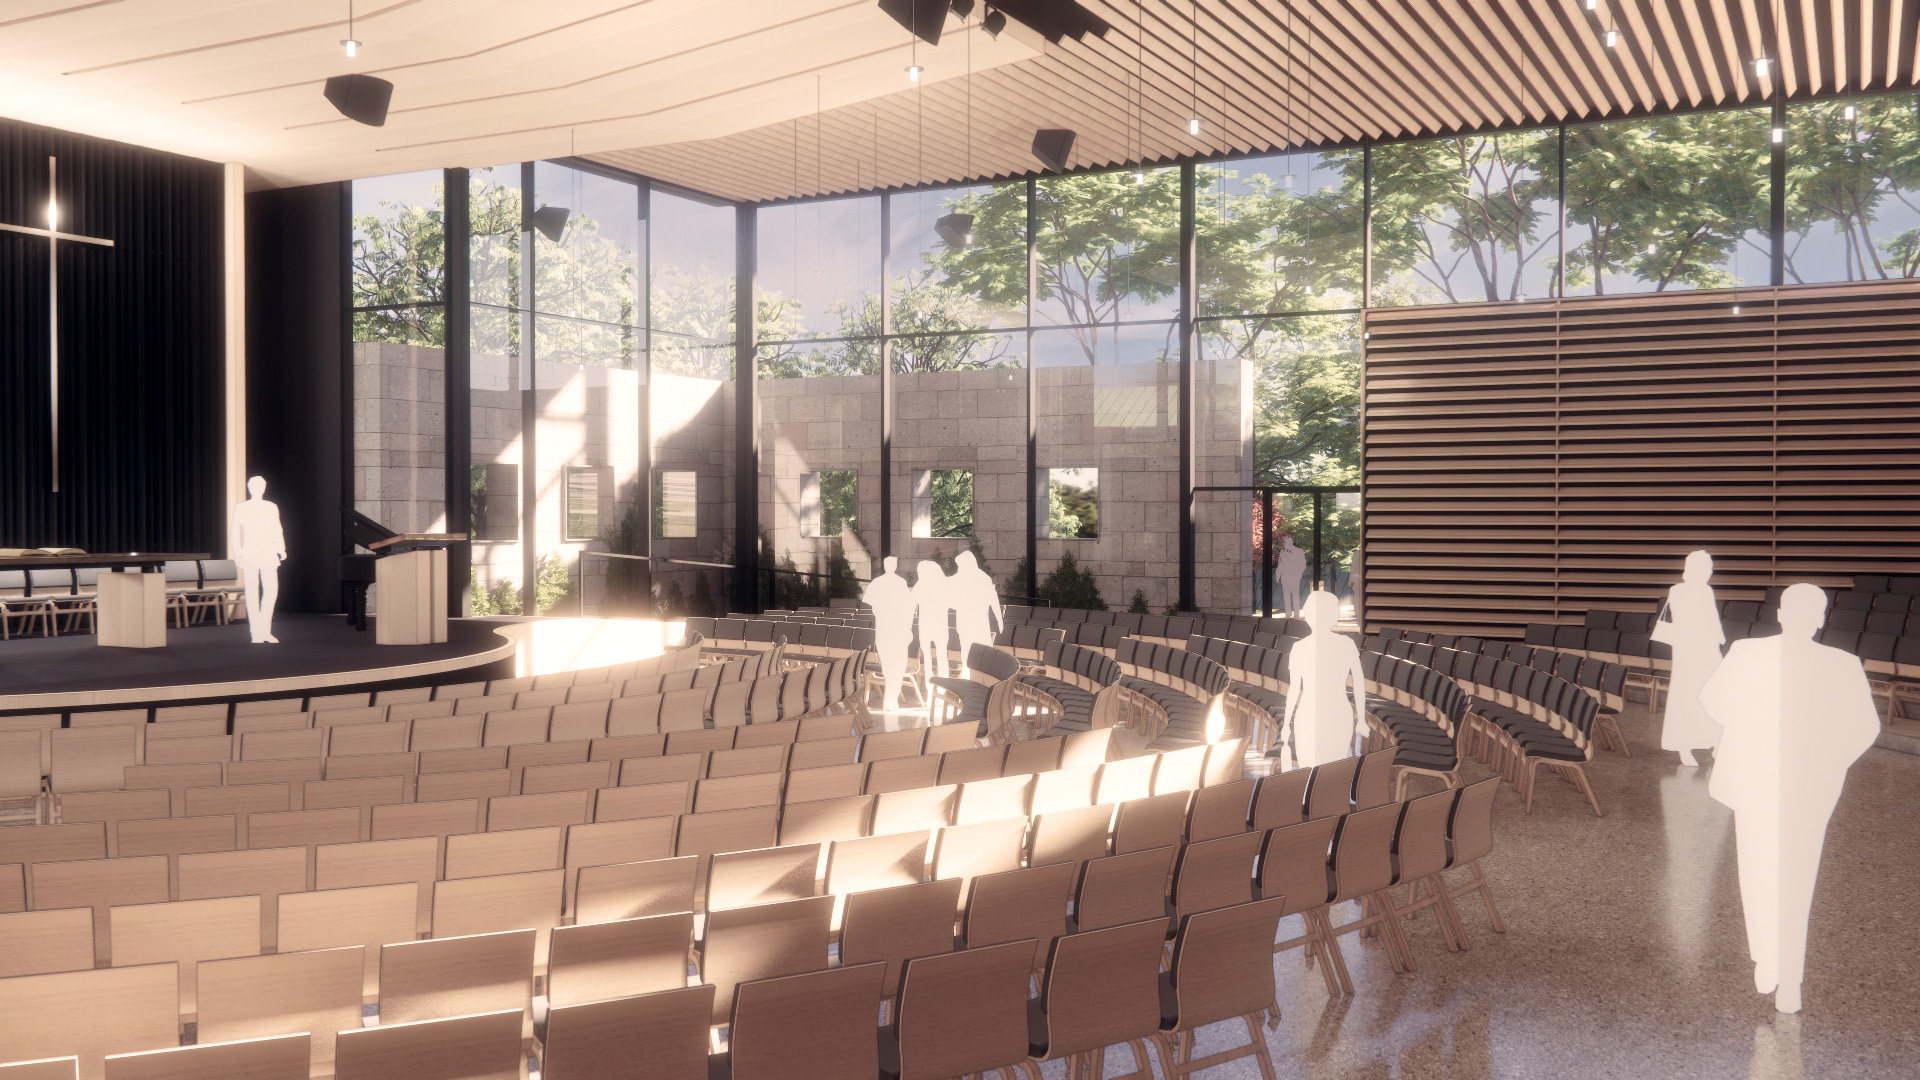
(1193, 121)
(1591, 4)
(913, 72)
(1139, 92)
(1613, 38)
(994, 23)
(1847, 113)
(1286, 178)
(352, 46)
(1760, 65)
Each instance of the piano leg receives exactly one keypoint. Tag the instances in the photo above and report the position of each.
(354, 599)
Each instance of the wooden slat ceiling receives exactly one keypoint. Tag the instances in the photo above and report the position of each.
(1306, 72)
(1527, 462)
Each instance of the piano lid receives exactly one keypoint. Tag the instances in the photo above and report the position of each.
(363, 530)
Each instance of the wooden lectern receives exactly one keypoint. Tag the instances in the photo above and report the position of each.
(410, 579)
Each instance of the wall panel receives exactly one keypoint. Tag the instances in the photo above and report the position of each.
(1527, 462)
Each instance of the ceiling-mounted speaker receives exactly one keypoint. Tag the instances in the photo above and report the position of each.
(361, 97)
(955, 229)
(923, 19)
(1053, 146)
(551, 221)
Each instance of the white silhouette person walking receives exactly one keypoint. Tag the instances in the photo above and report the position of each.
(1292, 568)
(891, 599)
(1322, 718)
(931, 602)
(1692, 630)
(976, 606)
(1795, 715)
(259, 547)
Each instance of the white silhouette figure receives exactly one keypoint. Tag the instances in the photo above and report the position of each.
(1795, 715)
(1322, 718)
(1293, 567)
(931, 602)
(976, 606)
(259, 547)
(1691, 628)
(891, 599)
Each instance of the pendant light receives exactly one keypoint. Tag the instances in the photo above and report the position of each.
(349, 43)
(956, 229)
(1286, 178)
(1139, 92)
(1761, 66)
(1193, 120)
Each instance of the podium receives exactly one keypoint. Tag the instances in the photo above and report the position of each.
(412, 590)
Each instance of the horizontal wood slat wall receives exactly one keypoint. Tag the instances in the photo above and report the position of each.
(1525, 462)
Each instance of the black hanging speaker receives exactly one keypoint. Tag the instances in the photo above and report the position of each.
(923, 19)
(361, 97)
(955, 229)
(1053, 146)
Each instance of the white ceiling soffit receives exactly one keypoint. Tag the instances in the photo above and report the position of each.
(476, 82)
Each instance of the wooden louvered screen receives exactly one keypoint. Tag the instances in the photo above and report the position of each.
(1526, 462)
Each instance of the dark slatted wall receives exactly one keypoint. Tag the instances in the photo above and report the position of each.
(1527, 462)
(141, 343)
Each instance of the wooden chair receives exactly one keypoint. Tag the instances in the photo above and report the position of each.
(1330, 792)
(1221, 810)
(1019, 905)
(1150, 822)
(745, 761)
(100, 884)
(43, 942)
(400, 821)
(1281, 800)
(1034, 756)
(484, 1046)
(769, 940)
(1070, 835)
(445, 733)
(665, 769)
(901, 774)
(90, 1014)
(1125, 779)
(762, 875)
(1122, 889)
(737, 792)
(20, 783)
(293, 772)
(613, 891)
(304, 828)
(298, 743)
(966, 766)
(463, 759)
(1220, 971)
(361, 794)
(820, 753)
(829, 782)
(1226, 762)
(186, 932)
(666, 1029)
(726, 830)
(989, 800)
(960, 1013)
(609, 842)
(1181, 770)
(279, 1057)
(484, 905)
(266, 873)
(241, 801)
(91, 759)
(914, 809)
(555, 809)
(492, 853)
(989, 847)
(1086, 748)
(1470, 839)
(894, 925)
(41, 725)
(406, 860)
(430, 980)
(645, 801)
(1066, 788)
(1212, 874)
(813, 1026)
(26, 844)
(1419, 855)
(113, 807)
(259, 996)
(370, 916)
(1373, 780)
(577, 776)
(622, 958)
(1101, 987)
(943, 739)
(892, 744)
(1293, 865)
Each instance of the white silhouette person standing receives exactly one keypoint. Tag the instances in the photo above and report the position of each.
(891, 599)
(1796, 714)
(931, 602)
(1695, 635)
(259, 547)
(1293, 567)
(976, 606)
(1322, 718)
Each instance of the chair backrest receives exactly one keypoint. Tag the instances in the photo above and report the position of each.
(1070, 835)
(762, 875)
(1363, 851)
(963, 1013)
(186, 932)
(894, 925)
(456, 976)
(1017, 905)
(369, 916)
(1212, 874)
(265, 873)
(1331, 791)
(913, 809)
(1221, 810)
(1470, 830)
(41, 942)
(606, 892)
(1157, 821)
(1127, 778)
(1103, 987)
(260, 996)
(101, 884)
(1293, 864)
(1420, 846)
(1222, 962)
(513, 851)
(90, 1014)
(765, 941)
(278, 1057)
(482, 1046)
(666, 1029)
(1180, 770)
(1123, 888)
(877, 862)
(987, 847)
(622, 958)
(1372, 783)
(813, 1026)
(483, 905)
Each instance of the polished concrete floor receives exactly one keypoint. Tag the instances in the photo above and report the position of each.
(1625, 953)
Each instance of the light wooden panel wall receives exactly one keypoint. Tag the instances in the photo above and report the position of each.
(1526, 462)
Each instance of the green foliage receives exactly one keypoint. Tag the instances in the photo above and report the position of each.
(1073, 512)
(1848, 174)
(1139, 604)
(839, 501)
(1069, 586)
(702, 604)
(553, 585)
(1015, 583)
(951, 511)
(1466, 213)
(625, 576)
(502, 599)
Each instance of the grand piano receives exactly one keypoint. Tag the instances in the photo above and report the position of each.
(358, 571)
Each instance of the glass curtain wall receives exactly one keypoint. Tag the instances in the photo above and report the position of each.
(1853, 190)
(495, 381)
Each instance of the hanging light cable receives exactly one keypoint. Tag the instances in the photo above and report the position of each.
(1779, 128)
(1286, 178)
(1139, 92)
(349, 43)
(1193, 120)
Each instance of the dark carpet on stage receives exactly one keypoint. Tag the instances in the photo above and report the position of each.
(309, 645)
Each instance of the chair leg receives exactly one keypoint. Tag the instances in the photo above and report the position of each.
(1479, 884)
(1579, 773)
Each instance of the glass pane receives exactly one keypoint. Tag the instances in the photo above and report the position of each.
(494, 384)
(1680, 202)
(675, 498)
(584, 486)
(1281, 233)
(960, 406)
(1853, 194)
(1467, 219)
(587, 283)
(692, 267)
(399, 245)
(818, 273)
(1072, 509)
(1284, 404)
(819, 438)
(1108, 247)
(1109, 402)
(942, 282)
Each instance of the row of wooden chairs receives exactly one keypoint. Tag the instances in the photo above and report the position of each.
(1605, 680)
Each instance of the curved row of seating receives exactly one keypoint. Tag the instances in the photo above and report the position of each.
(1605, 680)
(1170, 629)
(1087, 684)
(1419, 712)
(1523, 718)
(1195, 692)
(1001, 707)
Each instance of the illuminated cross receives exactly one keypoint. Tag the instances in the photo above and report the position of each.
(54, 236)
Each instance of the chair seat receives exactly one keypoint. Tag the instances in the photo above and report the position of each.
(1271, 700)
(1186, 717)
(1076, 705)
(972, 695)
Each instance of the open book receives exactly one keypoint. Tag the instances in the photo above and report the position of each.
(37, 553)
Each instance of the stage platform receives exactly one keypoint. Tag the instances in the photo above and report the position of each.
(317, 654)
